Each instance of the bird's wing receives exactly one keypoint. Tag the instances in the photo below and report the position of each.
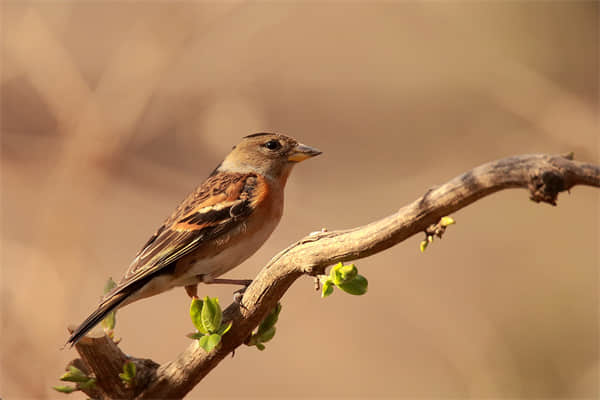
(219, 205)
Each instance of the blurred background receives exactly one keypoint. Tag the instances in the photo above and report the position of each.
(112, 111)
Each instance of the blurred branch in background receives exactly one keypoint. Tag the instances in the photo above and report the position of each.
(96, 123)
(543, 175)
(111, 111)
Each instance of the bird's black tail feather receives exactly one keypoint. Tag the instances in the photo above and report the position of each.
(110, 303)
(98, 315)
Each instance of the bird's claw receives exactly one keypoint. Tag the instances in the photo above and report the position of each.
(238, 295)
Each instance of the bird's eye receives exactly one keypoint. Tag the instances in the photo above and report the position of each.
(272, 145)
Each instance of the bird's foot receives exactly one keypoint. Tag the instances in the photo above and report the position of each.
(238, 294)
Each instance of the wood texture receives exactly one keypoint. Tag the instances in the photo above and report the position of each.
(544, 176)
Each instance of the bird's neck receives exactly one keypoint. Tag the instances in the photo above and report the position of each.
(277, 178)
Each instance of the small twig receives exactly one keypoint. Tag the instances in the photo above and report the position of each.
(102, 357)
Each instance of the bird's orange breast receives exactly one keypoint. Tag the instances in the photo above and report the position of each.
(215, 257)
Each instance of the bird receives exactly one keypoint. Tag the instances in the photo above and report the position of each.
(218, 226)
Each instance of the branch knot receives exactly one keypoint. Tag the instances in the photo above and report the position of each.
(546, 186)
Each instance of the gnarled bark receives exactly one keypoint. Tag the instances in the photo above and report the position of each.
(544, 176)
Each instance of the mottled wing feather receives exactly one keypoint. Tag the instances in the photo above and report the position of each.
(215, 208)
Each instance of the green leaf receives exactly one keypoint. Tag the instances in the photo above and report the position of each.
(110, 285)
(209, 342)
(270, 320)
(128, 374)
(266, 330)
(335, 273)
(202, 342)
(423, 245)
(65, 389)
(342, 273)
(109, 322)
(253, 340)
(129, 369)
(213, 341)
(196, 335)
(446, 221)
(74, 375)
(224, 328)
(348, 272)
(357, 286)
(211, 314)
(327, 288)
(89, 384)
(267, 335)
(219, 314)
(195, 314)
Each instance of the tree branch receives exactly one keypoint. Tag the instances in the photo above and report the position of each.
(543, 175)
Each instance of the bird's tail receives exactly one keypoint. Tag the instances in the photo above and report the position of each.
(108, 305)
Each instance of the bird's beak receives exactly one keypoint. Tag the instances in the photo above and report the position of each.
(301, 152)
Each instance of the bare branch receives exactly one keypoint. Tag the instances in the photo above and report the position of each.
(543, 175)
(102, 357)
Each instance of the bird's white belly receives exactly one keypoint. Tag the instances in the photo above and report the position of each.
(232, 256)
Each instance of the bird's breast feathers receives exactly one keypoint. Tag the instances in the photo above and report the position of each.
(231, 249)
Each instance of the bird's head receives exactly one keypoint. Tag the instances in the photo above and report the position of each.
(268, 154)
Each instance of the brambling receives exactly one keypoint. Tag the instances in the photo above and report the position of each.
(218, 226)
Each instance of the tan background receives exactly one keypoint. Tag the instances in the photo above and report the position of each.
(113, 111)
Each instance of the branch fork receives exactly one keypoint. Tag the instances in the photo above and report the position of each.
(543, 175)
